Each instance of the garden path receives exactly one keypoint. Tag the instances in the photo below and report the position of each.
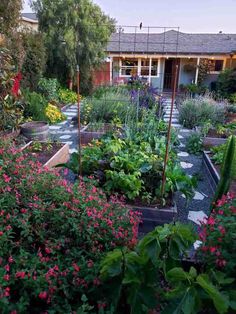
(66, 131)
(196, 209)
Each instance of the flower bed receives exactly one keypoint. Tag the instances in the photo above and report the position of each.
(53, 236)
(49, 154)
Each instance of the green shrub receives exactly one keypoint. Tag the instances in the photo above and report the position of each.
(67, 96)
(35, 106)
(232, 98)
(196, 112)
(226, 83)
(34, 60)
(53, 236)
(49, 88)
(194, 144)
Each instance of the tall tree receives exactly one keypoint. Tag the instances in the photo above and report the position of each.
(9, 15)
(76, 31)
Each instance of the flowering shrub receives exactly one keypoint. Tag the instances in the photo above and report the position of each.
(54, 114)
(218, 236)
(67, 96)
(52, 239)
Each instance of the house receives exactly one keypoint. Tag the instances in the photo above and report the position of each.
(154, 57)
(29, 20)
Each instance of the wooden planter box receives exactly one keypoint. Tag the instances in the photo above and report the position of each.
(153, 217)
(88, 134)
(61, 156)
(213, 141)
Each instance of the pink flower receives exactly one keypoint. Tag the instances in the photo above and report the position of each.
(211, 221)
(47, 250)
(90, 264)
(20, 274)
(6, 277)
(7, 267)
(43, 295)
(10, 259)
(76, 267)
(1, 233)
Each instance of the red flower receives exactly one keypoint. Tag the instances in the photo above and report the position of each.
(47, 250)
(43, 295)
(90, 264)
(76, 267)
(20, 274)
(1, 233)
(6, 277)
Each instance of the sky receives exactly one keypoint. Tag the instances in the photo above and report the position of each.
(193, 16)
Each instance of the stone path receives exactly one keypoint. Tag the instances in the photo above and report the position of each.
(175, 116)
(65, 131)
(196, 209)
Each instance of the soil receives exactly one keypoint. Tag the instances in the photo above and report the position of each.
(45, 153)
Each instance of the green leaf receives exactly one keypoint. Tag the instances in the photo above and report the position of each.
(150, 246)
(178, 274)
(221, 303)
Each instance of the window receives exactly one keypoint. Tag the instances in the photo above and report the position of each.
(145, 67)
(219, 65)
(154, 68)
(129, 67)
(216, 65)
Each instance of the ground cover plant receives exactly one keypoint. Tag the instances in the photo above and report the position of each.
(52, 239)
(196, 112)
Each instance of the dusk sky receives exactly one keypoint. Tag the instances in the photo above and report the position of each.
(193, 16)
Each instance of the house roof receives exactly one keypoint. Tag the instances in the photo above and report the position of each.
(172, 42)
(30, 16)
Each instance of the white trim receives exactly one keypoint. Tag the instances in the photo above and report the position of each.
(197, 70)
(150, 70)
(157, 56)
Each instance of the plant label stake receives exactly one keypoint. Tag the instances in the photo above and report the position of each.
(79, 134)
(169, 131)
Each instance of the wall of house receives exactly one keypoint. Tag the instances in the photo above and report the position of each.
(157, 82)
(187, 77)
(231, 63)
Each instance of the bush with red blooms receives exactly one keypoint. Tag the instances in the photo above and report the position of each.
(52, 237)
(218, 234)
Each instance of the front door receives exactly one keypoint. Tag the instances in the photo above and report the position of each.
(169, 73)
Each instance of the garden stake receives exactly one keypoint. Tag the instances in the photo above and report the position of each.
(169, 132)
(79, 134)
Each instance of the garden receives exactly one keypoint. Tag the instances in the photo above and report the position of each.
(102, 230)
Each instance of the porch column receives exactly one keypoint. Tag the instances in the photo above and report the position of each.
(111, 70)
(197, 70)
(150, 71)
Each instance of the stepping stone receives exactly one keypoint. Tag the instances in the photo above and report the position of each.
(69, 114)
(183, 154)
(198, 196)
(180, 137)
(186, 165)
(197, 217)
(185, 131)
(65, 137)
(62, 123)
(67, 142)
(197, 244)
(54, 127)
(176, 125)
(182, 145)
(73, 150)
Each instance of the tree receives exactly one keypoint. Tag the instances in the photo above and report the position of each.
(73, 29)
(9, 15)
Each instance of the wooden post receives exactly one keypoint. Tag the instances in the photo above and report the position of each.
(169, 131)
(197, 71)
(79, 123)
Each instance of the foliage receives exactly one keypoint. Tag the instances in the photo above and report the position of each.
(150, 277)
(49, 88)
(52, 237)
(232, 98)
(218, 154)
(133, 168)
(226, 83)
(146, 96)
(11, 106)
(218, 233)
(195, 112)
(67, 96)
(35, 106)
(231, 108)
(106, 106)
(53, 114)
(34, 59)
(228, 168)
(203, 70)
(10, 11)
(73, 31)
(194, 144)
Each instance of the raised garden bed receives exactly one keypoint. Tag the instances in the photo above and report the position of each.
(214, 139)
(49, 154)
(153, 217)
(92, 132)
(213, 172)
